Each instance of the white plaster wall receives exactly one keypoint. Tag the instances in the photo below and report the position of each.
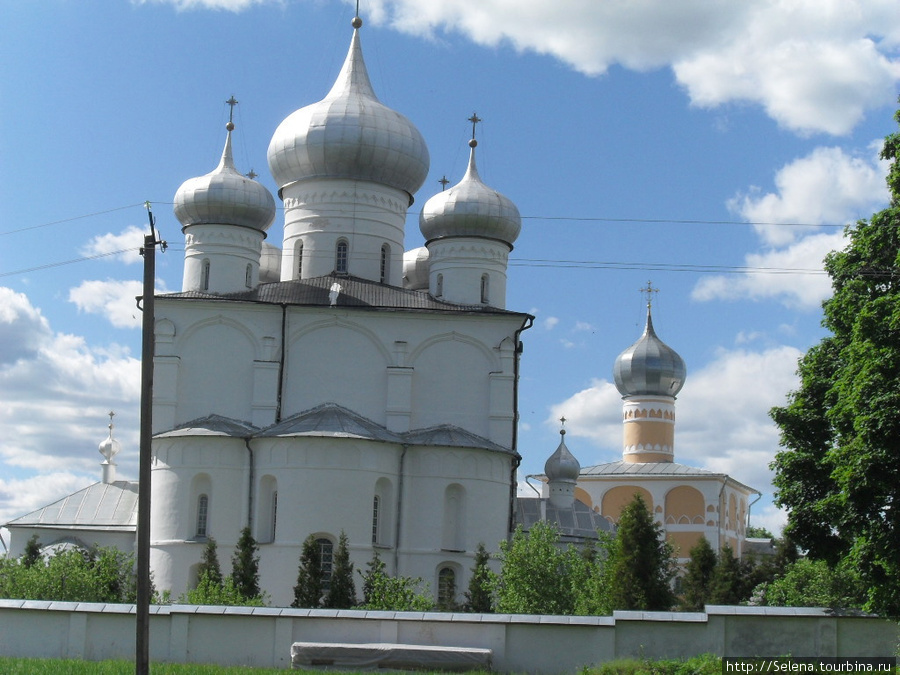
(543, 645)
(19, 536)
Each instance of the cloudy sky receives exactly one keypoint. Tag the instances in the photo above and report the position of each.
(715, 148)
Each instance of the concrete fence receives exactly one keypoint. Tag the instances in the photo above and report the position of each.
(262, 636)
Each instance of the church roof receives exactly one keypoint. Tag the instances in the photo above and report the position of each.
(101, 506)
(331, 419)
(211, 425)
(341, 291)
(658, 469)
(644, 469)
(578, 520)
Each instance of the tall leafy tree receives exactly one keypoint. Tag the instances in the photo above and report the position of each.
(209, 563)
(535, 573)
(375, 570)
(480, 596)
(342, 593)
(727, 582)
(32, 551)
(641, 564)
(698, 576)
(308, 591)
(838, 475)
(245, 566)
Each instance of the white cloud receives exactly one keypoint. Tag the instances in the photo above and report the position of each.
(723, 414)
(19, 497)
(550, 322)
(805, 289)
(55, 397)
(827, 186)
(583, 326)
(112, 299)
(812, 65)
(125, 246)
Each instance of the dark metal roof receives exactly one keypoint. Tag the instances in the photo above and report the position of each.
(341, 291)
(578, 520)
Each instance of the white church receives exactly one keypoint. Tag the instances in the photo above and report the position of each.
(340, 384)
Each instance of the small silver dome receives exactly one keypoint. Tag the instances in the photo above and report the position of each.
(649, 367)
(225, 197)
(470, 209)
(562, 465)
(415, 269)
(349, 134)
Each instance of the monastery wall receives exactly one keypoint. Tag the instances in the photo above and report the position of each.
(262, 637)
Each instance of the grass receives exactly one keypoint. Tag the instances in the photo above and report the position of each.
(11, 666)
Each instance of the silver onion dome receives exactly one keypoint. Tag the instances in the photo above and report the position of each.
(225, 197)
(649, 367)
(470, 209)
(562, 465)
(349, 134)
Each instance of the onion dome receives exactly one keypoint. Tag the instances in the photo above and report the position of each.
(415, 268)
(562, 465)
(349, 134)
(649, 367)
(225, 197)
(269, 263)
(110, 447)
(470, 209)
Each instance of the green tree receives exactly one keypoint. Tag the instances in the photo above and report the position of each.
(535, 573)
(726, 585)
(754, 532)
(814, 583)
(32, 551)
(641, 565)
(308, 591)
(698, 576)
(342, 593)
(245, 566)
(222, 592)
(480, 595)
(838, 475)
(209, 563)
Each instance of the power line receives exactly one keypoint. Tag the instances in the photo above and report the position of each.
(69, 220)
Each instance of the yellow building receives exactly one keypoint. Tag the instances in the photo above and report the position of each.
(687, 502)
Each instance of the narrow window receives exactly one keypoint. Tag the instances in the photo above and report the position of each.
(446, 598)
(202, 516)
(340, 258)
(439, 286)
(326, 551)
(300, 260)
(274, 514)
(375, 504)
(485, 291)
(204, 277)
(385, 259)
(248, 275)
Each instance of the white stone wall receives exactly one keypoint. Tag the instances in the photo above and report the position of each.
(262, 637)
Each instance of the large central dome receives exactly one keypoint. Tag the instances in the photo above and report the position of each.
(349, 134)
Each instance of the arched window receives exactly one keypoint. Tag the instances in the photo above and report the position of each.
(300, 260)
(340, 257)
(454, 525)
(385, 262)
(439, 286)
(202, 516)
(248, 276)
(326, 554)
(446, 595)
(485, 289)
(274, 513)
(376, 504)
(204, 277)
(268, 510)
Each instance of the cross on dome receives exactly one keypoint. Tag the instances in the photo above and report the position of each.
(649, 290)
(232, 102)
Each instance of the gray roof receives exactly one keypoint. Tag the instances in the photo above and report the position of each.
(331, 420)
(101, 506)
(579, 520)
(354, 292)
(211, 425)
(644, 469)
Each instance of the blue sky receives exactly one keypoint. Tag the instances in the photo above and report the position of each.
(714, 148)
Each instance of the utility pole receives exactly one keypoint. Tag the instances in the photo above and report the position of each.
(142, 635)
